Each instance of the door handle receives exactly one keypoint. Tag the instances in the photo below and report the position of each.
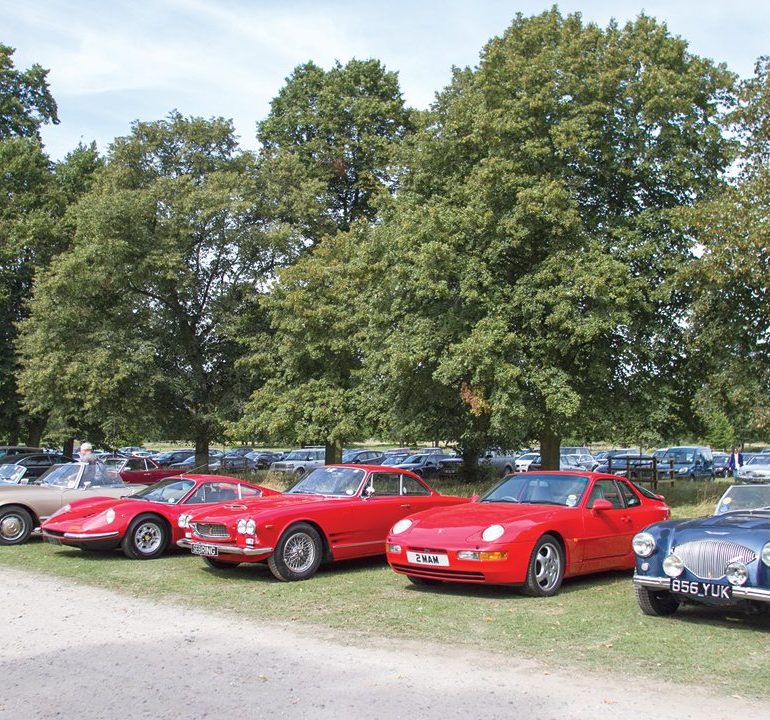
(406, 505)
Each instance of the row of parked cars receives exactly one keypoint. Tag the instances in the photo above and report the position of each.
(531, 530)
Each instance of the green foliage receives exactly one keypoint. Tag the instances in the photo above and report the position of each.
(531, 249)
(137, 326)
(25, 101)
(719, 432)
(730, 323)
(336, 132)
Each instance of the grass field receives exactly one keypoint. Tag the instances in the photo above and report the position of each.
(593, 623)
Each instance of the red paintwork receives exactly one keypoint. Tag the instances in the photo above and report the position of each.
(352, 526)
(593, 540)
(149, 476)
(86, 517)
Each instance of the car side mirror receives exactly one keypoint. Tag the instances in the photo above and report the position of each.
(87, 484)
(600, 504)
(475, 498)
(369, 491)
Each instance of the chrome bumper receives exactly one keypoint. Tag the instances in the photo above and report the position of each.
(227, 549)
(81, 536)
(739, 592)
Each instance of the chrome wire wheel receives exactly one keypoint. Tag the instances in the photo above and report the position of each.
(299, 552)
(547, 567)
(148, 538)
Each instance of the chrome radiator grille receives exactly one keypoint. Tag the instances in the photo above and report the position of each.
(708, 559)
(210, 530)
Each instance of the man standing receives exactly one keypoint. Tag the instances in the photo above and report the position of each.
(735, 462)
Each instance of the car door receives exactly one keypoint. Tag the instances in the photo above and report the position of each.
(607, 531)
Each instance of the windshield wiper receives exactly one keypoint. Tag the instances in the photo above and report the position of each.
(506, 499)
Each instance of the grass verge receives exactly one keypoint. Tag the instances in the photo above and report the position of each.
(594, 622)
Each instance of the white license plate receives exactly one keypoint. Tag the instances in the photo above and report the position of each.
(439, 559)
(204, 549)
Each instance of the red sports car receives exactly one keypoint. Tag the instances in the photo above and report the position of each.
(336, 512)
(532, 529)
(144, 471)
(144, 524)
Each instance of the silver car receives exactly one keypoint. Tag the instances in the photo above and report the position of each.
(298, 462)
(756, 470)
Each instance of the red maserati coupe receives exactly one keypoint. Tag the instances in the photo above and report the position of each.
(336, 512)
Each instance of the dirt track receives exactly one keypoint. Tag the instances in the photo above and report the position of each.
(77, 652)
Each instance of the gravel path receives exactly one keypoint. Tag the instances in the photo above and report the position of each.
(77, 652)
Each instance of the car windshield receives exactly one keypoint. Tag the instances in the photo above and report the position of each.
(297, 455)
(168, 492)
(394, 459)
(681, 456)
(744, 497)
(415, 460)
(10, 470)
(529, 456)
(758, 460)
(539, 488)
(330, 481)
(63, 476)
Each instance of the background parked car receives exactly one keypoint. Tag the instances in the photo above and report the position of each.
(756, 469)
(6, 450)
(429, 465)
(524, 461)
(143, 470)
(503, 461)
(720, 464)
(299, 461)
(25, 469)
(168, 458)
(689, 462)
(362, 457)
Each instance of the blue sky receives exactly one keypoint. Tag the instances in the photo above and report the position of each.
(112, 62)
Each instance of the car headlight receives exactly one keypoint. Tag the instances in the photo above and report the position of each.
(737, 573)
(401, 526)
(643, 544)
(251, 526)
(766, 554)
(673, 566)
(683, 471)
(109, 516)
(492, 533)
(183, 520)
(241, 526)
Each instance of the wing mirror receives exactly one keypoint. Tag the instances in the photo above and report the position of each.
(368, 491)
(600, 504)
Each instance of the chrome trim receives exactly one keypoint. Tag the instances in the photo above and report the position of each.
(361, 544)
(739, 592)
(88, 536)
(226, 549)
(708, 558)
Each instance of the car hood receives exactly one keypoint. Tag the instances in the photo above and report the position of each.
(727, 522)
(236, 509)
(466, 522)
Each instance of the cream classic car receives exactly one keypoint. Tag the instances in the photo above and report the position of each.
(24, 507)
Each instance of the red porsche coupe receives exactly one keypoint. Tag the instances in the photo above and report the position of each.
(336, 512)
(145, 524)
(532, 529)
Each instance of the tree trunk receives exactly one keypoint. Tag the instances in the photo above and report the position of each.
(201, 451)
(35, 429)
(549, 450)
(470, 467)
(333, 452)
(69, 446)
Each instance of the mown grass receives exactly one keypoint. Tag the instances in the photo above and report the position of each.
(593, 623)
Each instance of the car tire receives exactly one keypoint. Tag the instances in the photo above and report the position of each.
(15, 525)
(546, 568)
(658, 603)
(507, 470)
(299, 472)
(298, 554)
(423, 582)
(147, 538)
(215, 564)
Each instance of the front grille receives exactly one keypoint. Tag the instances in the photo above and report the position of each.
(438, 573)
(708, 559)
(210, 530)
